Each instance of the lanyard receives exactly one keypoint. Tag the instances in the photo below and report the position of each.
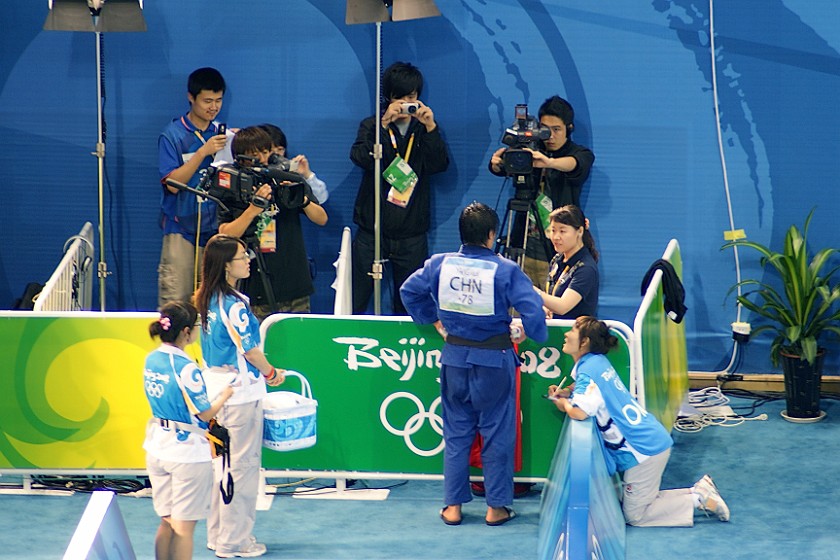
(567, 272)
(194, 131)
(396, 149)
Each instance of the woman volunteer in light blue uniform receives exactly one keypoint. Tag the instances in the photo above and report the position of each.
(636, 443)
(177, 452)
(230, 346)
(468, 296)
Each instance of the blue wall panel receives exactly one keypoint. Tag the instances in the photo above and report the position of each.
(638, 73)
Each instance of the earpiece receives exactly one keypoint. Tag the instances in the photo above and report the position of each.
(570, 128)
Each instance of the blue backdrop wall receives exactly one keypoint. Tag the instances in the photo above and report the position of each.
(639, 74)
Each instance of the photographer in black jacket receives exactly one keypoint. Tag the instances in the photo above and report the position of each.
(409, 135)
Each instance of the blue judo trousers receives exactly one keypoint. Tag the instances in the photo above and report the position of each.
(483, 398)
(471, 292)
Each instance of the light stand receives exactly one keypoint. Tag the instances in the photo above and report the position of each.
(376, 11)
(97, 17)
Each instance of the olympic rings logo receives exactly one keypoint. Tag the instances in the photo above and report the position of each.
(154, 389)
(414, 422)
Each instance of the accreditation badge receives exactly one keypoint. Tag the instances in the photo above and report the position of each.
(467, 286)
(398, 198)
(268, 236)
(544, 208)
(400, 175)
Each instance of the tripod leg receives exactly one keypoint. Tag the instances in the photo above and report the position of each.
(516, 220)
(268, 289)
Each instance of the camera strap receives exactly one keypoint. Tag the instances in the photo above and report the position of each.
(396, 148)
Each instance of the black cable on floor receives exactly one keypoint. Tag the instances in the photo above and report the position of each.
(89, 484)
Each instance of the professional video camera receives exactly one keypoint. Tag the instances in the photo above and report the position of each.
(526, 132)
(239, 182)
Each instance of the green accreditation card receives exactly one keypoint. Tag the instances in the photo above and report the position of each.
(400, 175)
(544, 208)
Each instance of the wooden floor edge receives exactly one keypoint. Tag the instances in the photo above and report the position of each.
(756, 382)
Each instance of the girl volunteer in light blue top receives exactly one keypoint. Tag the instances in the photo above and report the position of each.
(636, 443)
(230, 346)
(177, 452)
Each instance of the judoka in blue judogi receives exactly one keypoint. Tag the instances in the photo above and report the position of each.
(468, 295)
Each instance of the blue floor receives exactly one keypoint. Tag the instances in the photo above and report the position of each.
(778, 478)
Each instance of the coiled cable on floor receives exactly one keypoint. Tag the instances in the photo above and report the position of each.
(710, 396)
(712, 399)
(698, 422)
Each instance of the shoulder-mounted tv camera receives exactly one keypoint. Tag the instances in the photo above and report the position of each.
(239, 181)
(526, 132)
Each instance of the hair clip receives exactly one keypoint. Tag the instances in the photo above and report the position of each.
(165, 323)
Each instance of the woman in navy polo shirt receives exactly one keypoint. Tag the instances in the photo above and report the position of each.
(572, 284)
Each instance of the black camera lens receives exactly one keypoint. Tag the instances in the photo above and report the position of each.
(517, 161)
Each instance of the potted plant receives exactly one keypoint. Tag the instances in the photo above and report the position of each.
(797, 315)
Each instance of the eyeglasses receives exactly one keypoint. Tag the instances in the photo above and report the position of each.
(246, 256)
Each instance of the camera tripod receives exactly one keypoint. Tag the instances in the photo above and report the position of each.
(268, 290)
(512, 241)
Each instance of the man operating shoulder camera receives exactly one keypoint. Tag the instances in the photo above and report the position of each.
(560, 170)
(268, 219)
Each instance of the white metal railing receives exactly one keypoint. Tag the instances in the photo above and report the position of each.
(70, 287)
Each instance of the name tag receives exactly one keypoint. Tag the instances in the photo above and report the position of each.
(467, 286)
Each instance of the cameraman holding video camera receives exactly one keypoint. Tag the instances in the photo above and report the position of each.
(561, 167)
(274, 231)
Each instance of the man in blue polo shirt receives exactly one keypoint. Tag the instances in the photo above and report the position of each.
(185, 150)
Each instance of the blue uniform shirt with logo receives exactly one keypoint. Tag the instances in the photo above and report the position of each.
(629, 432)
(472, 292)
(175, 390)
(179, 142)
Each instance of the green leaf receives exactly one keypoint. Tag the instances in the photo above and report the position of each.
(807, 304)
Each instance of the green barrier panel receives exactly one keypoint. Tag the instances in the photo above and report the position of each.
(376, 380)
(74, 400)
(661, 354)
(72, 386)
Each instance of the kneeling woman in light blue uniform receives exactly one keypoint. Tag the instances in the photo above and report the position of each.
(636, 443)
(177, 452)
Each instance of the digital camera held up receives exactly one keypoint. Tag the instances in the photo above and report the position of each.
(409, 108)
(238, 182)
(526, 132)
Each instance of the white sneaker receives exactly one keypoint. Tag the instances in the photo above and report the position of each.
(710, 499)
(252, 550)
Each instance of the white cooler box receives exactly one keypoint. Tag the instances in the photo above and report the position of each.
(289, 418)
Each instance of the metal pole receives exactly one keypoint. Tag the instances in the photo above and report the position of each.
(102, 268)
(376, 271)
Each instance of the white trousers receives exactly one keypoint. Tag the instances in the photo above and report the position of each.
(645, 505)
(230, 526)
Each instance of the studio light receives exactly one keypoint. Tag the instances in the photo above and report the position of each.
(373, 11)
(97, 16)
